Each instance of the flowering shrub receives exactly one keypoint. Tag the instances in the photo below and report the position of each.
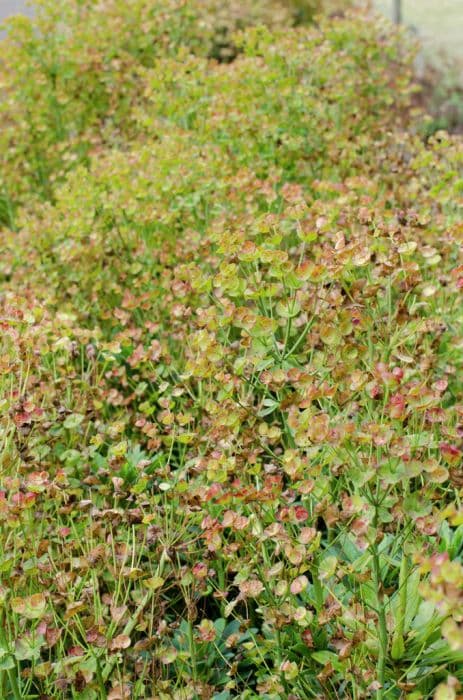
(71, 76)
(231, 354)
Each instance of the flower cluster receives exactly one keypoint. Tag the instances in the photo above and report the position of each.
(231, 355)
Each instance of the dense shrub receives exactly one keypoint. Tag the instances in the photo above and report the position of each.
(231, 358)
(259, 118)
(71, 76)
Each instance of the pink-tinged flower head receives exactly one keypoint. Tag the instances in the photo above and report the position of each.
(450, 453)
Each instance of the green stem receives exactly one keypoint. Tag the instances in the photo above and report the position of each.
(398, 645)
(128, 629)
(130, 626)
(10, 672)
(192, 649)
(319, 601)
(382, 626)
(318, 591)
(279, 659)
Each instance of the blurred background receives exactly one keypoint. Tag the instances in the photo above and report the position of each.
(11, 7)
(439, 23)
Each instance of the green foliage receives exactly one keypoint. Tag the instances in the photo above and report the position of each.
(71, 76)
(230, 359)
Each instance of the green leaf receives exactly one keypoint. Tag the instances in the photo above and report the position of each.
(7, 663)
(327, 657)
(28, 648)
(413, 599)
(32, 607)
(270, 405)
(73, 421)
(88, 694)
(154, 583)
(327, 567)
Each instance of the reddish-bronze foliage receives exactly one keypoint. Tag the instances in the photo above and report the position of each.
(231, 348)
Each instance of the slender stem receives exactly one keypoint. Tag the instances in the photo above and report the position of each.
(107, 670)
(130, 626)
(398, 647)
(382, 625)
(192, 650)
(279, 659)
(318, 591)
(10, 672)
(319, 600)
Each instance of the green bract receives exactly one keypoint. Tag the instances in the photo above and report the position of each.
(231, 358)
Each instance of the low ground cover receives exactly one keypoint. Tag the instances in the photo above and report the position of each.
(231, 358)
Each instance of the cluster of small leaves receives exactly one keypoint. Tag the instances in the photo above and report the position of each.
(231, 356)
(71, 77)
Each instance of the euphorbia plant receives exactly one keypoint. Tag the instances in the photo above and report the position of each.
(230, 354)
